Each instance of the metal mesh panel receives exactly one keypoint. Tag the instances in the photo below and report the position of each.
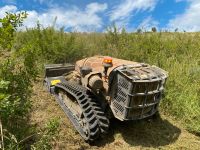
(118, 107)
(134, 97)
(123, 83)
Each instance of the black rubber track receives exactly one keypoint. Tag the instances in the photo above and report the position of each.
(96, 122)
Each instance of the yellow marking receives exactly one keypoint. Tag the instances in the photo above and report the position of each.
(54, 82)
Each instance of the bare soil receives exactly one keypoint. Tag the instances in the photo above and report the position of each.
(158, 133)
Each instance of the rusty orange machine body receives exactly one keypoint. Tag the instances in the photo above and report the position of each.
(119, 88)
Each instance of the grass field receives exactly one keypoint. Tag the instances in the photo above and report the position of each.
(177, 53)
(22, 63)
(159, 133)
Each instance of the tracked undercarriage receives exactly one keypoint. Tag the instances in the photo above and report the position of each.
(98, 88)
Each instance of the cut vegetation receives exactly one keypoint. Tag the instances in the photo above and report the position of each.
(159, 133)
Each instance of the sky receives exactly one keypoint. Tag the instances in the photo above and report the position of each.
(97, 15)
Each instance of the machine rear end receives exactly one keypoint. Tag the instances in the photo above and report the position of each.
(136, 91)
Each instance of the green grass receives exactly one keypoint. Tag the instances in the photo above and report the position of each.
(23, 55)
(162, 132)
(177, 53)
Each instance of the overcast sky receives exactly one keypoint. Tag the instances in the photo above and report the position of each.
(90, 15)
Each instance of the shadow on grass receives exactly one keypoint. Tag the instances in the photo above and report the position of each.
(106, 139)
(152, 132)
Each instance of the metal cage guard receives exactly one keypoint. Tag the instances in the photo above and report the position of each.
(137, 91)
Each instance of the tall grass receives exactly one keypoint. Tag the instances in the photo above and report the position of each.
(177, 53)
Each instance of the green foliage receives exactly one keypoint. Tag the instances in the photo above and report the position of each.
(47, 135)
(177, 53)
(18, 75)
(51, 45)
(8, 25)
(17, 72)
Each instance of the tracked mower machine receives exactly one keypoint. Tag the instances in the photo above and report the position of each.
(98, 88)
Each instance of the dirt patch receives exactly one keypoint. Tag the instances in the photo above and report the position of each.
(158, 133)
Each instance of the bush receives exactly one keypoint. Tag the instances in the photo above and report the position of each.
(17, 72)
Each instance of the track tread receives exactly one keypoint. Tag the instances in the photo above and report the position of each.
(97, 122)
